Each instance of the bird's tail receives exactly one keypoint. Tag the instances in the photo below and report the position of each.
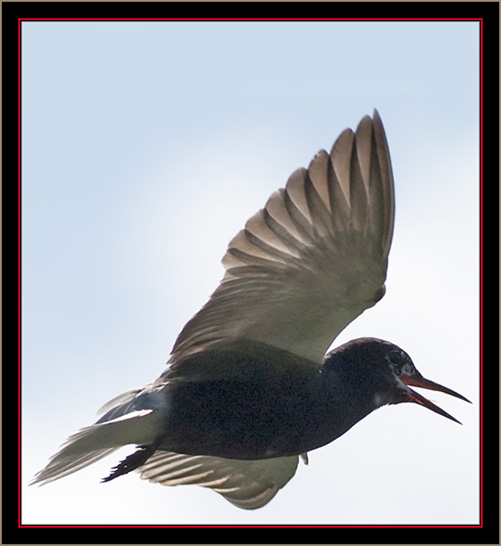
(122, 425)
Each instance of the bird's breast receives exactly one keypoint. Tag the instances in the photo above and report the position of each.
(251, 419)
(233, 419)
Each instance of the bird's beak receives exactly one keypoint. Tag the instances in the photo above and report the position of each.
(420, 381)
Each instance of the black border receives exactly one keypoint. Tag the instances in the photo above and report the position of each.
(489, 12)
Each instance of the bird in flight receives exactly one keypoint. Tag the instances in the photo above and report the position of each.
(248, 388)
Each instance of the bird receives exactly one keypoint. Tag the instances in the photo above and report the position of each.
(249, 388)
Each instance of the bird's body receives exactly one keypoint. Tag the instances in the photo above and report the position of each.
(279, 411)
(248, 388)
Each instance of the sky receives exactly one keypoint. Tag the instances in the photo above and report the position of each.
(145, 148)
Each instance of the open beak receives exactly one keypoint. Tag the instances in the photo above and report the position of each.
(420, 381)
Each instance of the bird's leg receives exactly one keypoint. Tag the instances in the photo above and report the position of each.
(133, 461)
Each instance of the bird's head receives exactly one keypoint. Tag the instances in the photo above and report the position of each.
(385, 372)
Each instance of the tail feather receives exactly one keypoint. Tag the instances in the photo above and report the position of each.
(92, 443)
(60, 465)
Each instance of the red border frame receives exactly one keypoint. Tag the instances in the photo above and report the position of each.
(481, 76)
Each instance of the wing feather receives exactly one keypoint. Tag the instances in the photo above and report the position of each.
(247, 484)
(312, 260)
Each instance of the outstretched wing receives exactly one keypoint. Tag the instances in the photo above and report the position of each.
(247, 484)
(311, 261)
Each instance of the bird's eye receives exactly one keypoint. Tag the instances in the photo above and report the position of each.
(395, 359)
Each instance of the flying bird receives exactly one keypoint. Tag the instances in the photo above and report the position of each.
(248, 389)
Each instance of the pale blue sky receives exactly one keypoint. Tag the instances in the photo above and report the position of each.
(146, 146)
